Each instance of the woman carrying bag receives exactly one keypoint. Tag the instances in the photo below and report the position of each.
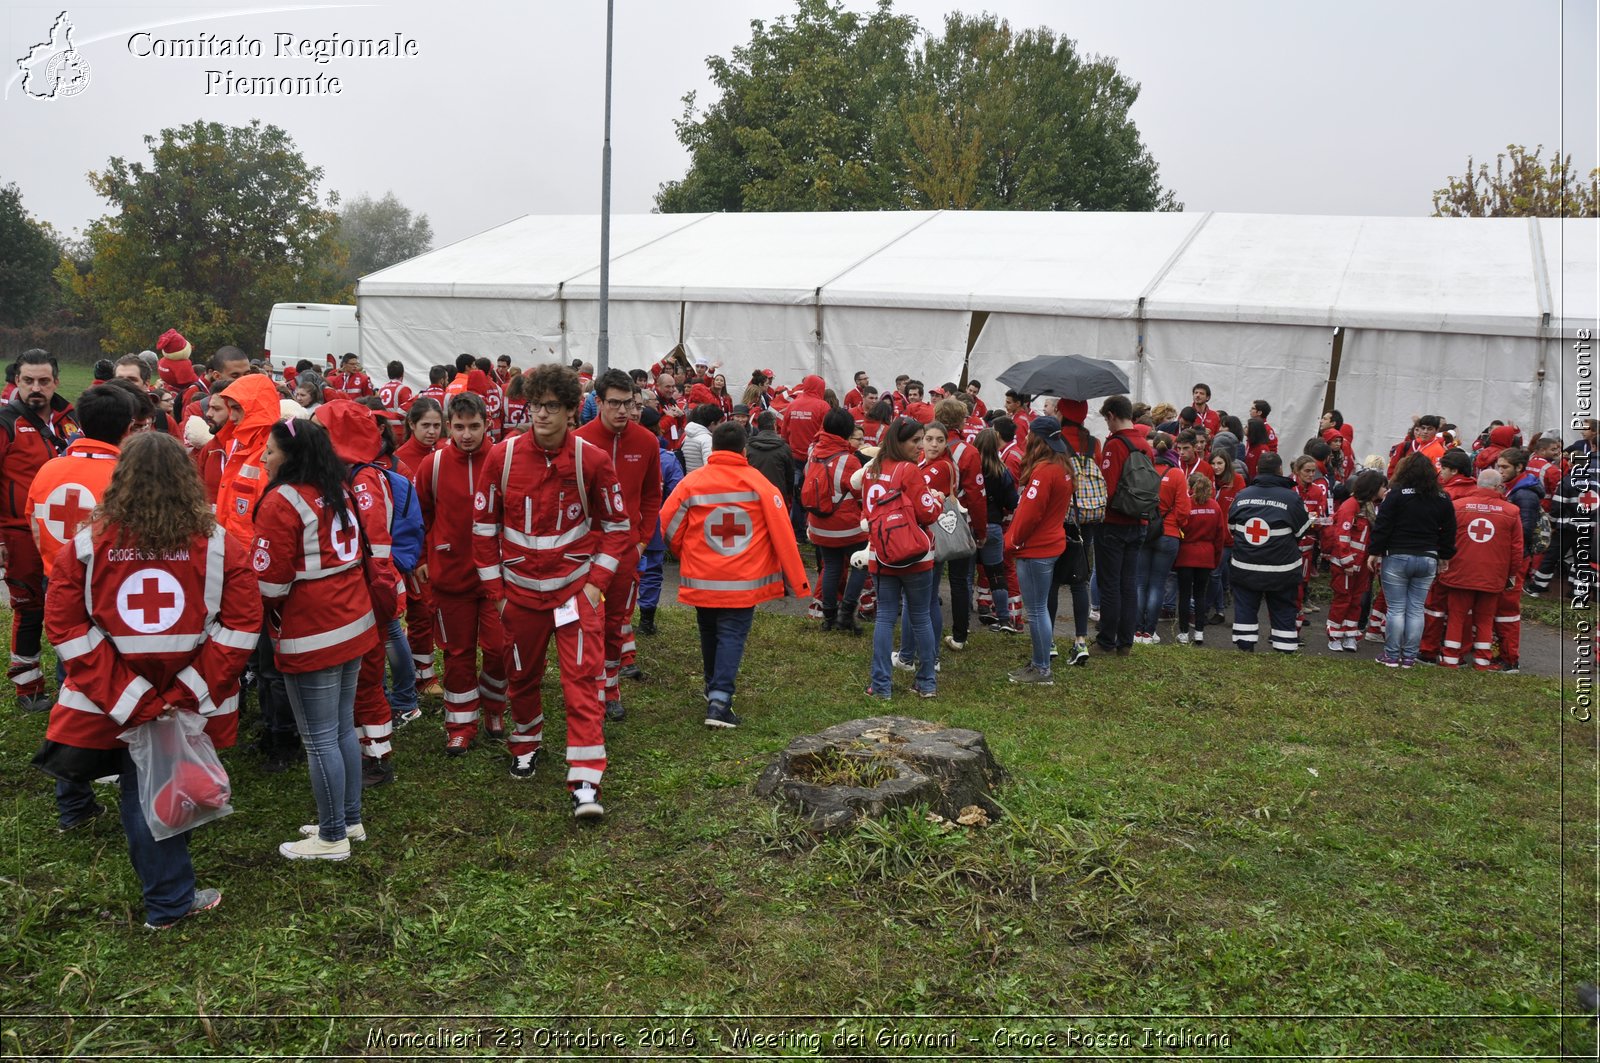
(1037, 538)
(309, 555)
(153, 610)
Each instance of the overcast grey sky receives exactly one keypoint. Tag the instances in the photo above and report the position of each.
(1363, 107)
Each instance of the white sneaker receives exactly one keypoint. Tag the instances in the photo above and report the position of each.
(586, 803)
(1094, 615)
(950, 641)
(1335, 645)
(1141, 639)
(1350, 643)
(357, 833)
(905, 664)
(1183, 638)
(1155, 640)
(1199, 637)
(314, 848)
(1373, 636)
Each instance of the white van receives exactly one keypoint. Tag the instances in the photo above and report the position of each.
(311, 331)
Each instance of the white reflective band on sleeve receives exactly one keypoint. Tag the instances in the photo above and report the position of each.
(215, 547)
(549, 542)
(156, 643)
(75, 648)
(489, 573)
(733, 584)
(586, 753)
(327, 639)
(379, 550)
(130, 699)
(275, 590)
(488, 531)
(576, 774)
(847, 533)
(606, 561)
(610, 526)
(228, 705)
(197, 686)
(233, 638)
(75, 699)
(547, 584)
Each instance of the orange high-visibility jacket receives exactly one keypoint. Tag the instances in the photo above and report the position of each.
(730, 531)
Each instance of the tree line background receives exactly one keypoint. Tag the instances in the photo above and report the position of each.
(824, 109)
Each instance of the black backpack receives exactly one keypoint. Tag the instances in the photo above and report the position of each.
(1138, 493)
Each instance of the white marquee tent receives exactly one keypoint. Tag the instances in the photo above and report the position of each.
(1385, 317)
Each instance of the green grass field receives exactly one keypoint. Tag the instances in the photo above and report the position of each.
(1309, 857)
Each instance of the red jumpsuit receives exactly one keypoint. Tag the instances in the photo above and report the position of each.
(1347, 557)
(548, 524)
(449, 483)
(1488, 560)
(1433, 609)
(636, 457)
(23, 452)
(1319, 507)
(408, 457)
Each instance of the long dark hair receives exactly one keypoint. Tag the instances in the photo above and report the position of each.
(309, 460)
(882, 412)
(987, 444)
(1255, 433)
(896, 443)
(1416, 471)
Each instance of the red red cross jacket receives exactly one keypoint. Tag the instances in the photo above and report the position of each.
(842, 527)
(138, 632)
(23, 452)
(1203, 536)
(395, 395)
(549, 521)
(969, 483)
(1488, 542)
(450, 483)
(906, 477)
(309, 565)
(1346, 547)
(636, 457)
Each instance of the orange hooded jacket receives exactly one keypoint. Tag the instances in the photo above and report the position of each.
(242, 441)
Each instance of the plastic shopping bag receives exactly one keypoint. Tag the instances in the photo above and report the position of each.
(182, 782)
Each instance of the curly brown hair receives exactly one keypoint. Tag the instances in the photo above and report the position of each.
(552, 379)
(156, 502)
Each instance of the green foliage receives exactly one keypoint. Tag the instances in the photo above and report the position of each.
(220, 224)
(27, 255)
(380, 232)
(1532, 188)
(829, 110)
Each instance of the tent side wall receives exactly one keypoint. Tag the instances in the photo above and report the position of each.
(423, 331)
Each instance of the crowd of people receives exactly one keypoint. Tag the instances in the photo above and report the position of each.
(190, 530)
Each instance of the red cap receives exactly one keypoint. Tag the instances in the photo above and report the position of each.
(769, 374)
(173, 345)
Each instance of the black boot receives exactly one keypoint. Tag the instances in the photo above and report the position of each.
(647, 621)
(830, 619)
(847, 619)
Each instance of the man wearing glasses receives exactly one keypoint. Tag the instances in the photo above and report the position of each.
(636, 455)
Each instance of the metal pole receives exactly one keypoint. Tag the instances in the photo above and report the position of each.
(602, 360)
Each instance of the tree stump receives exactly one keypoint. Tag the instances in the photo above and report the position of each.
(868, 767)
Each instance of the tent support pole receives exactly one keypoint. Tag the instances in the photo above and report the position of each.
(1330, 396)
(1138, 350)
(979, 319)
(602, 360)
(816, 334)
(1541, 276)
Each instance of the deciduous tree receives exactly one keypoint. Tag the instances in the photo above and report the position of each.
(222, 222)
(1530, 188)
(28, 254)
(380, 232)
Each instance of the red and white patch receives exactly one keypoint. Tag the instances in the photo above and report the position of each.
(364, 500)
(574, 511)
(1480, 530)
(1257, 531)
(150, 600)
(479, 501)
(68, 506)
(260, 560)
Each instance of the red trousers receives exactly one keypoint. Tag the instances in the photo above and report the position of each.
(620, 647)
(1508, 623)
(25, 580)
(1471, 625)
(419, 627)
(1433, 618)
(579, 648)
(1378, 620)
(980, 577)
(464, 626)
(1350, 584)
(374, 718)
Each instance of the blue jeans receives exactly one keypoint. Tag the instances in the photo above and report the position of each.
(908, 647)
(1082, 593)
(1150, 579)
(324, 704)
(834, 561)
(723, 634)
(1406, 579)
(651, 564)
(1034, 577)
(914, 589)
(992, 556)
(165, 872)
(401, 689)
(1116, 558)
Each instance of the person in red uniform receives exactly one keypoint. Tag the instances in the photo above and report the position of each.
(917, 407)
(308, 557)
(802, 418)
(974, 387)
(731, 532)
(1037, 537)
(857, 395)
(1487, 564)
(674, 417)
(358, 444)
(968, 467)
(835, 525)
(153, 610)
(34, 427)
(1313, 490)
(395, 393)
(425, 419)
(636, 456)
(351, 379)
(438, 377)
(549, 535)
(449, 482)
(1199, 554)
(1346, 550)
(1204, 415)
(1456, 479)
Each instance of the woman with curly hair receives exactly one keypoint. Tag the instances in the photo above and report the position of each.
(153, 610)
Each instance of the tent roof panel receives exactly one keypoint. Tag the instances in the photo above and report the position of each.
(1572, 260)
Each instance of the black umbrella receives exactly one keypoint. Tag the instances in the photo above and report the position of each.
(1066, 376)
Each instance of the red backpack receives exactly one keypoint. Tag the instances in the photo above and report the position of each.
(817, 488)
(896, 538)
